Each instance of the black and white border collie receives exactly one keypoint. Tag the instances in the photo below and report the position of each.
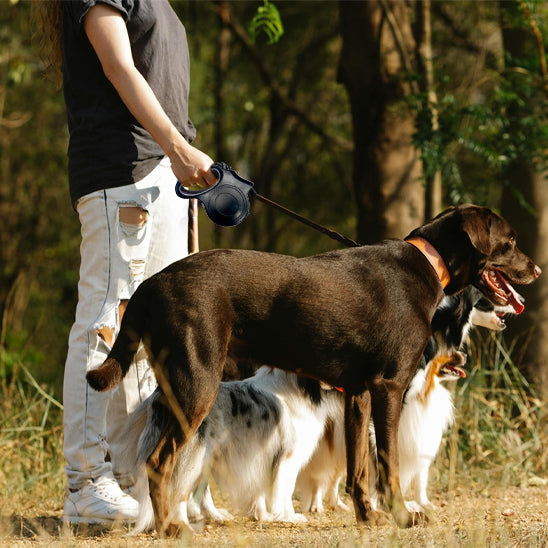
(259, 434)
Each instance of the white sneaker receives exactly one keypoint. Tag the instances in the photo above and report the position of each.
(99, 501)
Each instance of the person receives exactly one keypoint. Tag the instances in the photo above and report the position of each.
(125, 73)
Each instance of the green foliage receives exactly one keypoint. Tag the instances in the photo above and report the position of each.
(262, 138)
(486, 131)
(18, 352)
(267, 20)
(40, 234)
(486, 125)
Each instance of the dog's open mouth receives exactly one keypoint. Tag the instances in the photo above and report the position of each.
(503, 292)
(449, 370)
(447, 366)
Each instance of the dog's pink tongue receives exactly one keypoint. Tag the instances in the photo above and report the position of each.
(513, 295)
(457, 370)
(517, 305)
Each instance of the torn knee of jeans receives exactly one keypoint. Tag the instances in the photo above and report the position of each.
(108, 330)
(137, 270)
(107, 333)
(132, 218)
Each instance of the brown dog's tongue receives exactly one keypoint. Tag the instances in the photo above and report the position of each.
(517, 305)
(513, 295)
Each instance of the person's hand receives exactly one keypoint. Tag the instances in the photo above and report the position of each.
(192, 167)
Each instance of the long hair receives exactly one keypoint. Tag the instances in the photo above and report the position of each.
(48, 15)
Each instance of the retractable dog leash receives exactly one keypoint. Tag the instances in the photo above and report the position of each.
(227, 202)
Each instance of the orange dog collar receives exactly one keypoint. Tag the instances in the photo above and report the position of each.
(434, 258)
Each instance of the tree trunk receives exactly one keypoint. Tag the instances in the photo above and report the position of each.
(387, 173)
(432, 183)
(531, 328)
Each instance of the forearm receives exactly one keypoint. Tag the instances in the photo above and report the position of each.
(140, 100)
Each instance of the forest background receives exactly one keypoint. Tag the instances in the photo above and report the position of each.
(368, 117)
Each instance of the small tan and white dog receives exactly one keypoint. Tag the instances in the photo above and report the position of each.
(427, 412)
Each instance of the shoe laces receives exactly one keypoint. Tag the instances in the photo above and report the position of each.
(107, 487)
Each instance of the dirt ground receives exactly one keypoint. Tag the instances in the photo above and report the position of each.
(506, 517)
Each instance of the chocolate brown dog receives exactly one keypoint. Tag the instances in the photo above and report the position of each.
(355, 318)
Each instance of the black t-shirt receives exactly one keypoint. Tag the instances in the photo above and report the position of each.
(107, 146)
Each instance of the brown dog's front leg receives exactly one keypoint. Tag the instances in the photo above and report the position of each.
(386, 405)
(356, 422)
(160, 467)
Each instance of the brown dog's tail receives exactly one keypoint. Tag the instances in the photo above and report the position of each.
(114, 368)
(107, 376)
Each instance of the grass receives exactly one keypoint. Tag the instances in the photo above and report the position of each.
(31, 454)
(489, 480)
(501, 428)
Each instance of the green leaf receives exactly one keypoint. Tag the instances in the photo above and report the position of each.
(268, 21)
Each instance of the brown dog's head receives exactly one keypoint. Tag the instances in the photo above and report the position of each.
(503, 263)
(479, 248)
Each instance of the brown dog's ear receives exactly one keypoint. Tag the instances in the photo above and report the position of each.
(476, 222)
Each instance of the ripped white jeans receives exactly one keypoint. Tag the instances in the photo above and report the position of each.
(115, 258)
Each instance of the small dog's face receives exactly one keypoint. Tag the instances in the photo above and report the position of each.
(503, 263)
(448, 366)
(444, 367)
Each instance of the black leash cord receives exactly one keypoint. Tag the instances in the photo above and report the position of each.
(331, 233)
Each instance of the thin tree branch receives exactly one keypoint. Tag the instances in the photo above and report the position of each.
(289, 105)
(461, 35)
(433, 190)
(16, 120)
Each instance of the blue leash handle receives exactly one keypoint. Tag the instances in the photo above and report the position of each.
(227, 201)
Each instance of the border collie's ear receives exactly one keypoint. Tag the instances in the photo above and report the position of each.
(476, 222)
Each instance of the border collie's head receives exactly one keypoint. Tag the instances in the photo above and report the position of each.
(486, 314)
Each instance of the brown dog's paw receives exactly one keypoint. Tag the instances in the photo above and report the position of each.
(406, 519)
(175, 531)
(374, 518)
